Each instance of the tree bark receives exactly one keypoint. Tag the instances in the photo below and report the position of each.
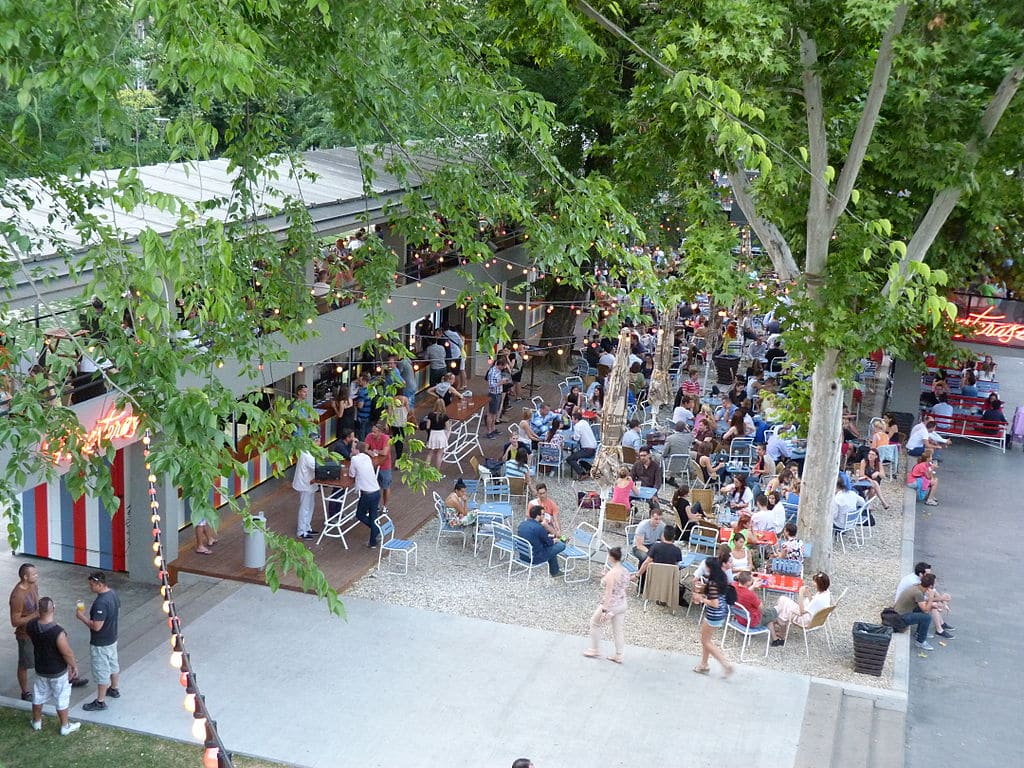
(772, 240)
(824, 441)
(560, 324)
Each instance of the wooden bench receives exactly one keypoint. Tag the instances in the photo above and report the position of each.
(975, 428)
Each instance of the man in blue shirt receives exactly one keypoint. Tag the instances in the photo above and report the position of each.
(545, 548)
(364, 406)
(540, 421)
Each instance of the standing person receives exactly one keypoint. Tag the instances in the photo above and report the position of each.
(303, 484)
(102, 624)
(457, 364)
(24, 604)
(437, 434)
(713, 597)
(379, 444)
(364, 406)
(55, 666)
(583, 434)
(361, 468)
(495, 376)
(404, 368)
(436, 362)
(612, 607)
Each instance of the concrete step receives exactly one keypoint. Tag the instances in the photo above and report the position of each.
(888, 747)
(854, 732)
(821, 719)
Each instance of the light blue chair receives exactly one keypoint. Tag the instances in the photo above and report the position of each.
(501, 542)
(584, 539)
(737, 612)
(443, 526)
(486, 523)
(523, 558)
(393, 546)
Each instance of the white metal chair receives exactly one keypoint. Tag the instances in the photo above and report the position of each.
(393, 546)
(851, 527)
(739, 621)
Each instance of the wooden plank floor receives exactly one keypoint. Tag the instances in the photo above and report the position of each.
(410, 511)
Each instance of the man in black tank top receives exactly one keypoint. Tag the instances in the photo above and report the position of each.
(55, 666)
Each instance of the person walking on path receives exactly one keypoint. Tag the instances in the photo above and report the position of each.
(612, 607)
(713, 596)
(367, 508)
(302, 483)
(102, 624)
(55, 666)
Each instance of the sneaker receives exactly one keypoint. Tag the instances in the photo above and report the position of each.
(931, 503)
(946, 626)
(26, 695)
(69, 728)
(306, 535)
(37, 725)
(94, 706)
(80, 682)
(314, 533)
(778, 643)
(373, 545)
(113, 693)
(946, 634)
(924, 646)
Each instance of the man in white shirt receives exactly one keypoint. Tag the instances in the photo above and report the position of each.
(361, 469)
(942, 412)
(912, 579)
(607, 359)
(632, 438)
(684, 411)
(302, 482)
(844, 504)
(923, 436)
(583, 434)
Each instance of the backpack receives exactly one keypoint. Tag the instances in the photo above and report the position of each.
(891, 618)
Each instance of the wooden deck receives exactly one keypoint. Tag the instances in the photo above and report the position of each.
(410, 511)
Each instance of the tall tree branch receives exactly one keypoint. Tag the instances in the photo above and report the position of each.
(818, 229)
(868, 118)
(945, 200)
(772, 240)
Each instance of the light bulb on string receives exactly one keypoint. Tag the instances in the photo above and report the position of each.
(211, 755)
(198, 726)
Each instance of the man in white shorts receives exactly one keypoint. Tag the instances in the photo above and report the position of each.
(55, 666)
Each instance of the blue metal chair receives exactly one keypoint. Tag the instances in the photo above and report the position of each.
(523, 558)
(501, 542)
(486, 523)
(443, 526)
(393, 546)
(737, 612)
(550, 455)
(584, 539)
(704, 540)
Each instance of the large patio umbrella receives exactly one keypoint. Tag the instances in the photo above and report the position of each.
(660, 391)
(613, 416)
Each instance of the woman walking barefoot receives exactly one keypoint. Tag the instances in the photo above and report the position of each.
(713, 597)
(612, 607)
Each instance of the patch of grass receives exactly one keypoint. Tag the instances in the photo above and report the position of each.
(95, 746)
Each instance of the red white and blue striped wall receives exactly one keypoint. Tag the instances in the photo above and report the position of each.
(79, 531)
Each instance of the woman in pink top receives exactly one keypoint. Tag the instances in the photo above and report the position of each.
(612, 608)
(623, 487)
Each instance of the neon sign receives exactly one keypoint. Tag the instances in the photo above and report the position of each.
(990, 326)
(117, 424)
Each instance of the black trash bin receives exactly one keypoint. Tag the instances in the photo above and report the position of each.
(726, 367)
(870, 646)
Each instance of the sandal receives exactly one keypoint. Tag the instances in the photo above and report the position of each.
(591, 654)
(616, 659)
(702, 670)
(729, 670)
(204, 551)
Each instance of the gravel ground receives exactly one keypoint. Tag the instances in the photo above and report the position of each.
(449, 579)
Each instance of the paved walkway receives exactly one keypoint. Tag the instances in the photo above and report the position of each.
(965, 697)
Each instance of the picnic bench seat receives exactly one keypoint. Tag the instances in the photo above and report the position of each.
(975, 428)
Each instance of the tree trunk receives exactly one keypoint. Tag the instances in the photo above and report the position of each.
(560, 324)
(821, 470)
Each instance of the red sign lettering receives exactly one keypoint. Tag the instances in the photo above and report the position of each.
(992, 327)
(115, 425)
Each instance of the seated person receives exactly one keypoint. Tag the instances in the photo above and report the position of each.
(648, 532)
(683, 412)
(923, 436)
(527, 437)
(844, 504)
(456, 506)
(765, 517)
(916, 606)
(789, 546)
(664, 550)
(623, 488)
(519, 467)
(801, 610)
(745, 596)
(344, 445)
(738, 496)
(647, 472)
(545, 548)
(763, 466)
(445, 389)
(541, 420)
(632, 438)
(689, 516)
(940, 602)
(550, 519)
(741, 559)
(921, 477)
